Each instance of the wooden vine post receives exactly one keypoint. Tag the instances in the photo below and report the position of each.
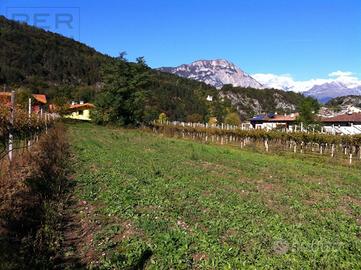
(29, 114)
(266, 144)
(11, 135)
(350, 157)
(333, 150)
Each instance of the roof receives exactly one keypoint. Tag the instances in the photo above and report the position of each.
(354, 117)
(275, 117)
(259, 117)
(6, 94)
(85, 106)
(38, 97)
(41, 98)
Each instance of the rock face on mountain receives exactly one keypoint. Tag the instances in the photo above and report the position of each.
(249, 101)
(346, 101)
(214, 72)
(327, 91)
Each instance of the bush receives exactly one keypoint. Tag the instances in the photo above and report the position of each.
(232, 119)
(194, 118)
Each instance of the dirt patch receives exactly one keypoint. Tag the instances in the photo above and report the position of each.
(200, 256)
(228, 235)
(262, 186)
(183, 225)
(87, 235)
(353, 200)
(312, 198)
(280, 247)
(219, 170)
(79, 226)
(345, 206)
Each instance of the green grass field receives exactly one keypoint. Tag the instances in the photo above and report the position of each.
(168, 203)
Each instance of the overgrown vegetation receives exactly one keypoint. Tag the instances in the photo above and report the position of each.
(30, 192)
(167, 203)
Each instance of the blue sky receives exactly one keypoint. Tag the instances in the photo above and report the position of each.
(305, 39)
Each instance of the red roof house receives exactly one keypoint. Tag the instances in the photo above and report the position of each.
(39, 100)
(343, 120)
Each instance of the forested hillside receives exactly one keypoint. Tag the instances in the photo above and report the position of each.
(29, 54)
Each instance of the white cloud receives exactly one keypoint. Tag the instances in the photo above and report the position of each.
(286, 81)
(340, 73)
(347, 78)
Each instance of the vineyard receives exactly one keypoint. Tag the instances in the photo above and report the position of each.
(346, 146)
(19, 127)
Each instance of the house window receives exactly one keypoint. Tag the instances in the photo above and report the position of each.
(81, 112)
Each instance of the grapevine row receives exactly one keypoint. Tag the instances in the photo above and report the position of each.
(260, 134)
(348, 145)
(24, 125)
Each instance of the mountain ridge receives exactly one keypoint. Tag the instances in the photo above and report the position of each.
(327, 91)
(216, 72)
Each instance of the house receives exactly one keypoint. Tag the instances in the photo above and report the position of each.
(273, 120)
(38, 101)
(349, 123)
(80, 111)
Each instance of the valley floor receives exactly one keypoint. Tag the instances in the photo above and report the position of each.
(158, 203)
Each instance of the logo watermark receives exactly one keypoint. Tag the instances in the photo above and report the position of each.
(62, 20)
(280, 247)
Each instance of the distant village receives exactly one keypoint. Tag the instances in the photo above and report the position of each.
(347, 121)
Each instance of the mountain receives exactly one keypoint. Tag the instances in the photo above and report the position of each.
(214, 72)
(249, 101)
(346, 101)
(327, 91)
(247, 95)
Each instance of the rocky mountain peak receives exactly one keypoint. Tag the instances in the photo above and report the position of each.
(214, 72)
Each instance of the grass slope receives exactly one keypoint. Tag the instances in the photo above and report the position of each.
(170, 203)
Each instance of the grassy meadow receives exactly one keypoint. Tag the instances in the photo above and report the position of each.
(162, 203)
